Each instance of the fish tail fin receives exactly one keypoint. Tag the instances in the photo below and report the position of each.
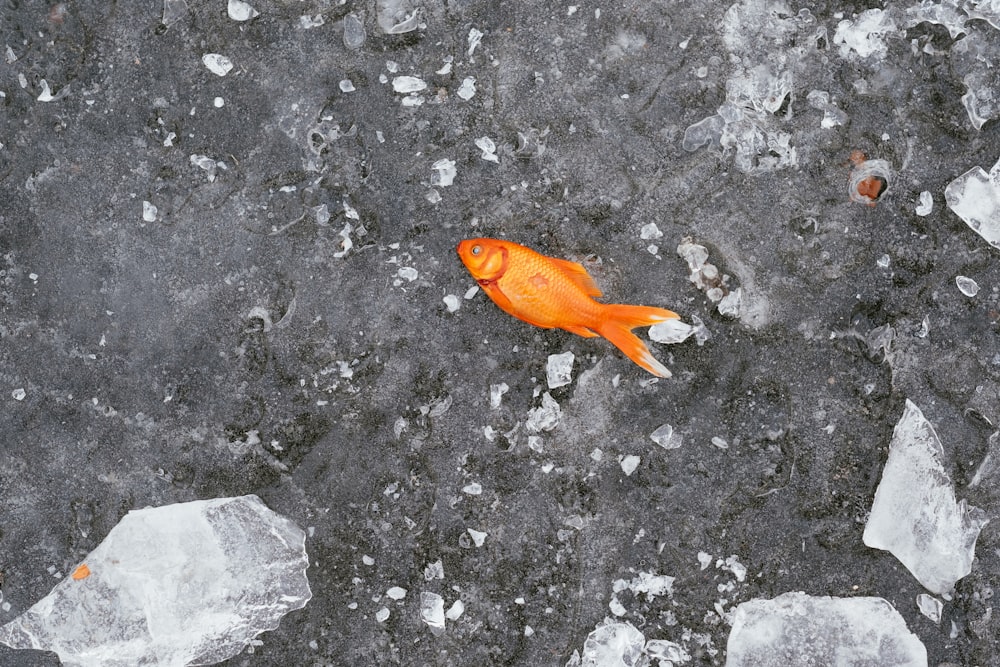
(617, 325)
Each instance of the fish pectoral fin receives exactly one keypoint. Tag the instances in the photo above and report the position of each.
(580, 330)
(578, 275)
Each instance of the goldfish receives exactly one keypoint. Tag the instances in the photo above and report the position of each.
(554, 293)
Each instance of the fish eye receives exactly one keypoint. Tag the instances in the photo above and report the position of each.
(476, 249)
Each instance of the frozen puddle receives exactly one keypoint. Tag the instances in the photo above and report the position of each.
(799, 629)
(916, 516)
(190, 583)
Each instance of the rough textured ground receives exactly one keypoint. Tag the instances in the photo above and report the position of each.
(232, 346)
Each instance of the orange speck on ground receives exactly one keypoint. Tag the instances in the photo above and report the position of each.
(81, 572)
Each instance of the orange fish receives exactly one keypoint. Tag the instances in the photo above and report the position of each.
(556, 293)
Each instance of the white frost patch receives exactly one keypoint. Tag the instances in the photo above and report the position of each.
(650, 231)
(975, 198)
(915, 515)
(559, 369)
(217, 63)
(432, 611)
(865, 34)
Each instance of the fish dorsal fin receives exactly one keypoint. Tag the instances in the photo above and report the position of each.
(578, 275)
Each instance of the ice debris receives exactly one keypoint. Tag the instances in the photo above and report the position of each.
(396, 17)
(545, 417)
(444, 172)
(559, 369)
(467, 89)
(915, 515)
(496, 394)
(664, 436)
(408, 84)
(617, 644)
(926, 204)
(489, 149)
(975, 198)
(354, 32)
(148, 211)
(676, 331)
(930, 607)
(799, 629)
(865, 34)
(452, 303)
(217, 63)
(629, 463)
(189, 583)
(241, 11)
(832, 115)
(432, 611)
(967, 286)
(706, 277)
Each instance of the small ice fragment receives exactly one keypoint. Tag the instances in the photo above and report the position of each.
(720, 442)
(18, 394)
(616, 607)
(218, 102)
(559, 369)
(666, 652)
(664, 437)
(434, 570)
(382, 615)
(478, 536)
(799, 629)
(452, 303)
(496, 394)
(307, 22)
(396, 17)
(489, 149)
(730, 305)
(241, 11)
(456, 610)
(650, 231)
(347, 86)
(545, 417)
(926, 204)
(733, 564)
(473, 489)
(629, 463)
(189, 583)
(883, 261)
(148, 212)
(704, 559)
(915, 515)
(612, 644)
(367, 560)
(432, 611)
(468, 88)
(671, 332)
(975, 198)
(354, 32)
(46, 94)
(173, 11)
(217, 63)
(475, 37)
(407, 273)
(865, 34)
(433, 196)
(649, 584)
(967, 286)
(444, 172)
(396, 593)
(446, 68)
(706, 132)
(408, 84)
(930, 607)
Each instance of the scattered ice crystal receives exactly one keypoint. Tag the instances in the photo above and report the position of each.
(18, 394)
(926, 204)
(307, 22)
(434, 570)
(650, 231)
(241, 11)
(930, 607)
(496, 394)
(478, 536)
(865, 34)
(382, 615)
(408, 84)
(473, 489)
(676, 331)
(354, 32)
(396, 593)
(475, 37)
(432, 611)
(444, 172)
(46, 94)
(207, 164)
(189, 583)
(704, 559)
(967, 286)
(545, 417)
(915, 515)
(799, 629)
(396, 17)
(407, 273)
(347, 86)
(452, 302)
(173, 11)
(664, 437)
(559, 369)
(468, 88)
(975, 198)
(650, 584)
(629, 463)
(455, 610)
(489, 149)
(612, 644)
(148, 211)
(217, 63)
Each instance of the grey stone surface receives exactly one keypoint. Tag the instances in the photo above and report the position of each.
(230, 345)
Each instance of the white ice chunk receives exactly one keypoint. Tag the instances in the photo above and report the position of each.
(452, 303)
(650, 231)
(629, 463)
(18, 394)
(975, 198)
(382, 615)
(545, 417)
(148, 212)
(354, 32)
(190, 583)
(408, 84)
(926, 204)
(664, 437)
(671, 331)
(407, 273)
(489, 149)
(649, 584)
(799, 629)
(478, 536)
(915, 515)
(559, 369)
(474, 39)
(241, 11)
(468, 88)
(455, 610)
(967, 285)
(666, 652)
(432, 611)
(930, 607)
(865, 34)
(217, 63)
(46, 94)
(612, 644)
(496, 394)
(396, 17)
(444, 172)
(396, 593)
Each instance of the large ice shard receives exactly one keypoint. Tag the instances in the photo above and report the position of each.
(799, 629)
(184, 584)
(975, 198)
(916, 516)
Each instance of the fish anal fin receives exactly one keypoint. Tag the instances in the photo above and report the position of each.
(578, 275)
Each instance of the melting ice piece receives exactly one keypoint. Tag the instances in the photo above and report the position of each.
(799, 629)
(408, 84)
(545, 417)
(864, 35)
(354, 32)
(915, 515)
(975, 198)
(444, 172)
(967, 285)
(217, 63)
(612, 644)
(190, 583)
(930, 607)
(397, 16)
(559, 369)
(241, 11)
(664, 437)
(432, 611)
(926, 204)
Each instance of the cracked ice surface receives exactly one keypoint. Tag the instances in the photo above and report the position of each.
(799, 629)
(915, 515)
(975, 198)
(189, 583)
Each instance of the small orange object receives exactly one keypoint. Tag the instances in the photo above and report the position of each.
(81, 572)
(869, 179)
(555, 293)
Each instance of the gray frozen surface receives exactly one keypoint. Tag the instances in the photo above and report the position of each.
(213, 286)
